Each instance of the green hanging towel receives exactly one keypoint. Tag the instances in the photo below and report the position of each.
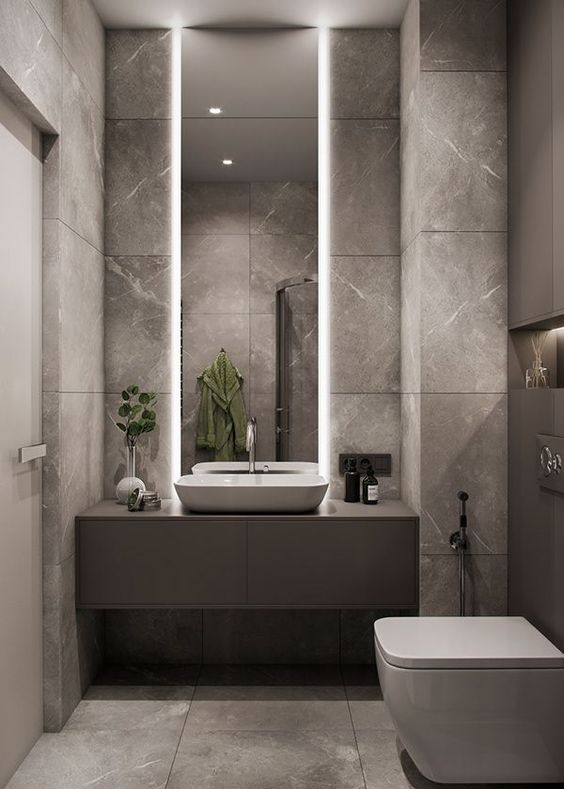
(222, 421)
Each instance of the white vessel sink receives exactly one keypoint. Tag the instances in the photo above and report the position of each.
(251, 492)
(242, 467)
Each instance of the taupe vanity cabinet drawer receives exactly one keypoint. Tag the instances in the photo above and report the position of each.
(150, 563)
(336, 563)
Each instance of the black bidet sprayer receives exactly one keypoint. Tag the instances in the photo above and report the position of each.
(459, 543)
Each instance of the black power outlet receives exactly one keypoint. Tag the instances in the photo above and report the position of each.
(381, 463)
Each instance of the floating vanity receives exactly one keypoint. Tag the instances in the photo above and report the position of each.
(340, 556)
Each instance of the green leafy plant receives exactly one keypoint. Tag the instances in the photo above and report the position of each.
(137, 412)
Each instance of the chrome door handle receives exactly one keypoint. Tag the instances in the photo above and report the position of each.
(26, 454)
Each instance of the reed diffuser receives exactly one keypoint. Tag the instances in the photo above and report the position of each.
(537, 376)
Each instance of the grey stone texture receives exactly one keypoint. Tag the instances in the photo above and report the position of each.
(454, 292)
(365, 248)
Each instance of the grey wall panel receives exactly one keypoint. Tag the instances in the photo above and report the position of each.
(531, 512)
(340, 563)
(558, 150)
(530, 159)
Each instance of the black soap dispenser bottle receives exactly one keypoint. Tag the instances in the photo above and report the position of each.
(352, 481)
(370, 488)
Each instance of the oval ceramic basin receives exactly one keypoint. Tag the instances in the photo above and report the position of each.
(251, 492)
(242, 467)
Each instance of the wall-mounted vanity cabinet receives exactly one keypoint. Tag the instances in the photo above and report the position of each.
(536, 162)
(342, 556)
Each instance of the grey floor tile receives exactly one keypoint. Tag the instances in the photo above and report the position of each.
(107, 760)
(368, 708)
(281, 708)
(148, 675)
(139, 692)
(270, 675)
(104, 715)
(267, 760)
(380, 758)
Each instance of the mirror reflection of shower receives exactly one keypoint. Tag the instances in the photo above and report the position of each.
(296, 368)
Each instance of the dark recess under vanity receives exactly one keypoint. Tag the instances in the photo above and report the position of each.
(341, 556)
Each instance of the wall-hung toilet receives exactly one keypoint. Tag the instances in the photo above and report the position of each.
(474, 699)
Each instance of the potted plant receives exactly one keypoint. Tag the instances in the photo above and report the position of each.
(137, 417)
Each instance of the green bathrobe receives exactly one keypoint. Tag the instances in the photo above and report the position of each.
(222, 421)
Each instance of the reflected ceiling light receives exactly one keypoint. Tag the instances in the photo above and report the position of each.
(215, 110)
(227, 162)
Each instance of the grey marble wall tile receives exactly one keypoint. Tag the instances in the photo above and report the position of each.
(366, 423)
(274, 258)
(81, 459)
(263, 354)
(411, 450)
(218, 209)
(410, 157)
(463, 183)
(203, 338)
(30, 64)
(153, 636)
(82, 161)
(365, 187)
(284, 208)
(365, 335)
(51, 12)
(410, 51)
(137, 323)
(263, 409)
(463, 36)
(365, 73)
(464, 312)
(277, 636)
(191, 455)
(138, 68)
(464, 447)
(411, 294)
(153, 451)
(51, 343)
(486, 592)
(83, 45)
(51, 477)
(82, 304)
(215, 274)
(138, 198)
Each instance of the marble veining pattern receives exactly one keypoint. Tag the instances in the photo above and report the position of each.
(365, 74)
(274, 258)
(215, 274)
(365, 336)
(137, 323)
(138, 199)
(463, 35)
(215, 209)
(283, 208)
(84, 44)
(137, 58)
(365, 193)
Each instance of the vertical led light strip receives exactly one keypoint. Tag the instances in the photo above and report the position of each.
(324, 308)
(176, 240)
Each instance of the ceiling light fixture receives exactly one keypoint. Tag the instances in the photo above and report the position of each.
(215, 110)
(227, 162)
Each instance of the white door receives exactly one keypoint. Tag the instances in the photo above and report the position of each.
(20, 425)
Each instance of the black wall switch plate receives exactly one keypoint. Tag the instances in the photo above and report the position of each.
(381, 464)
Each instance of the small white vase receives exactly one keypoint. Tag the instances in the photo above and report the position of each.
(130, 482)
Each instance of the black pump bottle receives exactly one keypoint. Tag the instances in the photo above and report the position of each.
(352, 481)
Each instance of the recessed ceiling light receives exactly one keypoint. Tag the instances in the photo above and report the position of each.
(227, 162)
(215, 110)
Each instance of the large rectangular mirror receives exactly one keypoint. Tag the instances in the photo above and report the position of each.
(249, 243)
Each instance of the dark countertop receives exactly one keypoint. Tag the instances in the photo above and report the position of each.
(335, 509)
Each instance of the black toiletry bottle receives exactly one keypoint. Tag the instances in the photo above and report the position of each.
(370, 488)
(352, 481)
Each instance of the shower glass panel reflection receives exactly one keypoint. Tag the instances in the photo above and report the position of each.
(296, 369)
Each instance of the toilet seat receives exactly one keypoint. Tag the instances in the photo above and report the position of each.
(465, 642)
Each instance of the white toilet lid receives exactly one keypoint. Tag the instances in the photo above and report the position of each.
(465, 642)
